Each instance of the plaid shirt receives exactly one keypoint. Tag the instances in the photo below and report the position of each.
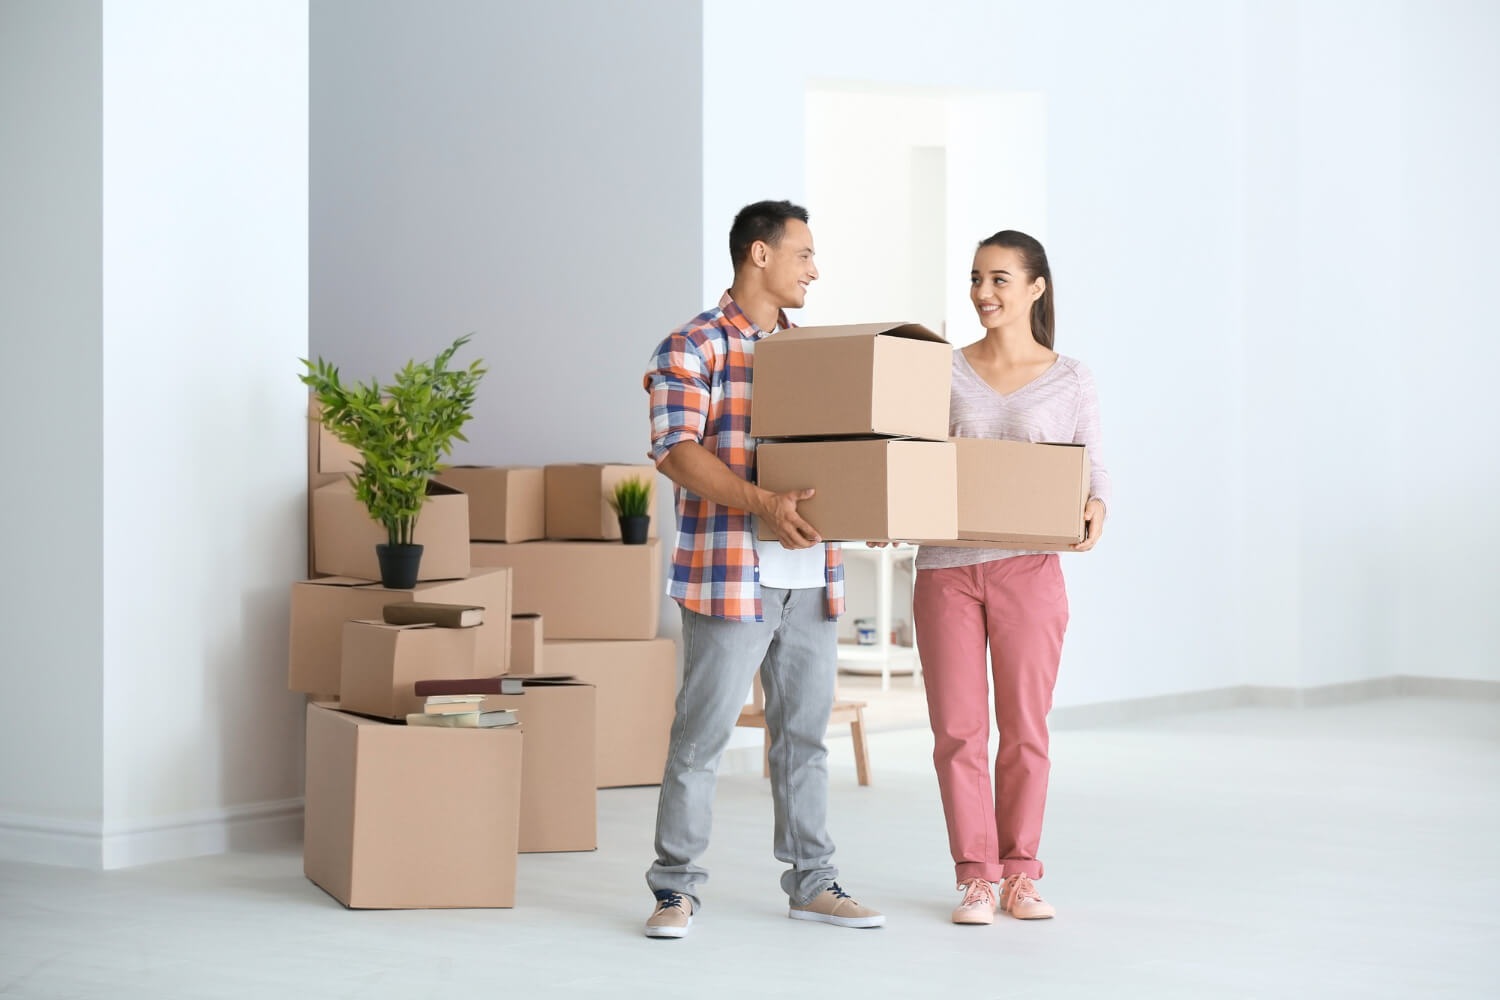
(699, 385)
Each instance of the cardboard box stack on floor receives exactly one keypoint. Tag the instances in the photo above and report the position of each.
(400, 815)
(597, 603)
(859, 414)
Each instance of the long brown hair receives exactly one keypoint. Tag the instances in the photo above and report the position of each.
(1034, 258)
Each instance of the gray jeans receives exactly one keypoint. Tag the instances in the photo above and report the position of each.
(796, 651)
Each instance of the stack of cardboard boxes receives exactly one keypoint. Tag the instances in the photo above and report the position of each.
(406, 816)
(596, 603)
(860, 414)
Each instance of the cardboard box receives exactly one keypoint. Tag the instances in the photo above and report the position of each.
(345, 535)
(324, 452)
(327, 455)
(584, 590)
(578, 499)
(380, 663)
(840, 381)
(404, 816)
(636, 695)
(870, 490)
(558, 797)
(321, 607)
(1015, 495)
(506, 504)
(526, 644)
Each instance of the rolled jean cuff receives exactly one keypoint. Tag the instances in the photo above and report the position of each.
(986, 870)
(1030, 867)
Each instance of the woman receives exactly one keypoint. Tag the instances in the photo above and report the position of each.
(1010, 385)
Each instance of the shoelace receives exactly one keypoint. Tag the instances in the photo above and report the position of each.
(838, 893)
(978, 892)
(1022, 888)
(669, 901)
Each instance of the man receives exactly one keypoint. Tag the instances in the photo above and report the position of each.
(746, 605)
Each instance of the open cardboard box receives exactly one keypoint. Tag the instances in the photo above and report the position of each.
(890, 379)
(345, 535)
(320, 608)
(408, 816)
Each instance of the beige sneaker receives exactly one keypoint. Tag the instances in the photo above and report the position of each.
(835, 906)
(979, 903)
(1019, 898)
(672, 917)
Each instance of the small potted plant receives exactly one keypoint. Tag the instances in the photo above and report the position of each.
(631, 500)
(402, 431)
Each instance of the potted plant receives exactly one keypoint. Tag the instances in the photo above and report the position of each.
(631, 500)
(402, 431)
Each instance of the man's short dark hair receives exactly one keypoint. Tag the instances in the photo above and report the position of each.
(765, 221)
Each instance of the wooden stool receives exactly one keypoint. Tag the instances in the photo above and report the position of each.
(852, 712)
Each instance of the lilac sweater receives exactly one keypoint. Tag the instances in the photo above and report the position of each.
(1058, 405)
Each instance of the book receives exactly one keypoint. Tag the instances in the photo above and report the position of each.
(454, 699)
(468, 685)
(428, 613)
(464, 720)
(454, 707)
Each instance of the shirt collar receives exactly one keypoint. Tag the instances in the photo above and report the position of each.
(741, 322)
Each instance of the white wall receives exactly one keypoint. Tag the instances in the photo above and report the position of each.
(1449, 350)
(1144, 153)
(51, 595)
(205, 315)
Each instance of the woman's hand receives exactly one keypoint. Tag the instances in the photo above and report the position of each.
(1093, 518)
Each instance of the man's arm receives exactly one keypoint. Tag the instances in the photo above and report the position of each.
(699, 471)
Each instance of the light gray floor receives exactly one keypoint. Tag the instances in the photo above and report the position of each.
(1332, 852)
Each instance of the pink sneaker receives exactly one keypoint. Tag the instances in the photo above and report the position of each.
(1019, 898)
(979, 904)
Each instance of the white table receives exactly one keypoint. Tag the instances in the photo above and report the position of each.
(884, 653)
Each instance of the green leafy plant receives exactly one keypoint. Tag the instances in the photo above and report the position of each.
(402, 430)
(632, 497)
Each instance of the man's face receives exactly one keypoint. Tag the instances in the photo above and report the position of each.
(789, 267)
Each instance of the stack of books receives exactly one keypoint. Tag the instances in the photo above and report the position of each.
(460, 711)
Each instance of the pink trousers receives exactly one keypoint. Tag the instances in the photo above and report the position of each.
(1020, 605)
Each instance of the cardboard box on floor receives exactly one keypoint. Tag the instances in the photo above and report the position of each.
(842, 381)
(345, 535)
(558, 786)
(1015, 495)
(526, 644)
(578, 499)
(506, 503)
(584, 590)
(321, 607)
(408, 816)
(636, 694)
(380, 663)
(869, 490)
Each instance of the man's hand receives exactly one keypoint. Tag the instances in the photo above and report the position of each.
(1093, 518)
(779, 510)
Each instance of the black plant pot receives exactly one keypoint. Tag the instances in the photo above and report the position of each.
(398, 565)
(633, 529)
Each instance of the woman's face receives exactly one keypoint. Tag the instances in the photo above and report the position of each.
(1000, 288)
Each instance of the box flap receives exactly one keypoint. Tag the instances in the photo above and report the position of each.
(387, 626)
(338, 581)
(911, 331)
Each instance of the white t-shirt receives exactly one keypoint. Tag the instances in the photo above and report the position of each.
(790, 569)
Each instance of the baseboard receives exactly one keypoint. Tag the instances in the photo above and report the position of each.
(88, 845)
